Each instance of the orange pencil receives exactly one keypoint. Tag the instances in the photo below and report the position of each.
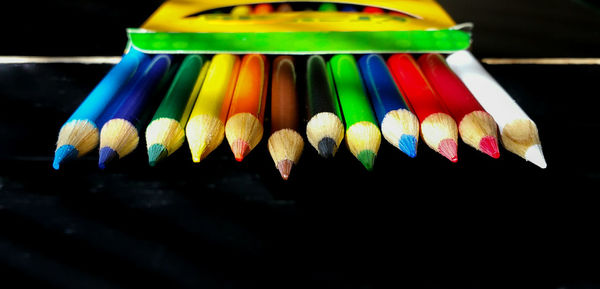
(244, 127)
(263, 8)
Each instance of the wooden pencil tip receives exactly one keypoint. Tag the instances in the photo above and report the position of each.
(107, 155)
(367, 158)
(156, 153)
(64, 153)
(448, 148)
(534, 154)
(240, 149)
(285, 167)
(327, 147)
(489, 146)
(408, 145)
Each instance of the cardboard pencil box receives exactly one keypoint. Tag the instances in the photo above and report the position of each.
(205, 26)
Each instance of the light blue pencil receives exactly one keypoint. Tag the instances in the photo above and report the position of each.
(80, 133)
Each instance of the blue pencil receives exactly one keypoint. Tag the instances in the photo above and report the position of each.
(399, 125)
(119, 136)
(80, 133)
(348, 8)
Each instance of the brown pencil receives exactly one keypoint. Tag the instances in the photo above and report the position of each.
(285, 143)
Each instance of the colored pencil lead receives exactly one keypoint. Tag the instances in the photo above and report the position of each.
(408, 145)
(64, 153)
(367, 158)
(107, 155)
(447, 148)
(285, 167)
(534, 154)
(156, 153)
(489, 145)
(327, 147)
(240, 149)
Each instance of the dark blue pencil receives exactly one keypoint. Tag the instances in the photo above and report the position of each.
(120, 134)
(399, 125)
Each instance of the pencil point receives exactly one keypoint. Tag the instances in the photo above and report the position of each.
(156, 153)
(408, 145)
(106, 156)
(285, 167)
(448, 148)
(534, 154)
(198, 152)
(64, 153)
(240, 149)
(327, 147)
(489, 145)
(367, 158)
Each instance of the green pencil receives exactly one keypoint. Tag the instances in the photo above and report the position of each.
(166, 132)
(362, 134)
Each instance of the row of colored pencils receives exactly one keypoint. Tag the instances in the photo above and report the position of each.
(206, 100)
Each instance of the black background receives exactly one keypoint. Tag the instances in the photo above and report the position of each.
(411, 223)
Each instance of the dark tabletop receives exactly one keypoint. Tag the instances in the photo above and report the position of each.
(411, 223)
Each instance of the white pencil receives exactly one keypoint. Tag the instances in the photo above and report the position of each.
(518, 132)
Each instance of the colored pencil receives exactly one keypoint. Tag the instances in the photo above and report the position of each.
(119, 135)
(263, 8)
(518, 132)
(438, 128)
(244, 127)
(373, 10)
(327, 7)
(325, 129)
(348, 8)
(166, 132)
(241, 10)
(400, 127)
(476, 127)
(285, 143)
(205, 129)
(80, 133)
(362, 134)
(284, 7)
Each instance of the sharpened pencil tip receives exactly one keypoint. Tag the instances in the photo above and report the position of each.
(156, 153)
(408, 145)
(64, 153)
(489, 146)
(285, 167)
(327, 147)
(198, 152)
(534, 154)
(367, 158)
(240, 149)
(107, 155)
(448, 148)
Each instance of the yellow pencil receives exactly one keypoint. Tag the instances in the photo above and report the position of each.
(205, 129)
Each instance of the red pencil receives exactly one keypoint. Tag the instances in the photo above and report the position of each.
(373, 10)
(438, 129)
(477, 128)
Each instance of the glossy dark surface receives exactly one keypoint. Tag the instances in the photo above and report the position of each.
(412, 223)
